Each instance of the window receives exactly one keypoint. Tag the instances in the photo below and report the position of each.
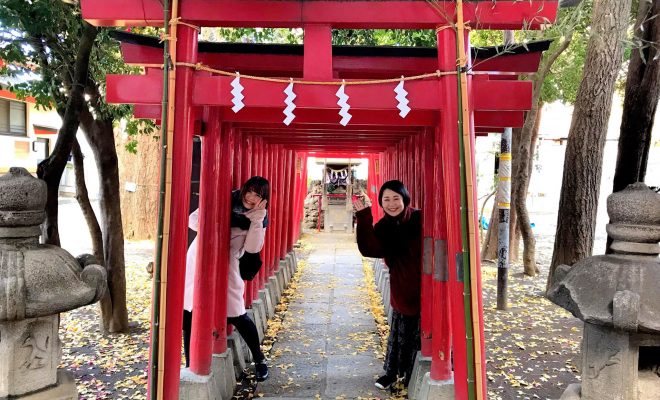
(13, 116)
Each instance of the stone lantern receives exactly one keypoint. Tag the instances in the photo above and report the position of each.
(37, 282)
(618, 298)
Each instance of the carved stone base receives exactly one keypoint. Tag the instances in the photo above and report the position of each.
(30, 353)
(609, 364)
(64, 390)
(218, 385)
(572, 392)
(266, 298)
(436, 390)
(236, 347)
(255, 316)
(421, 367)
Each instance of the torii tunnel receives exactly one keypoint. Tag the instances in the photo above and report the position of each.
(421, 149)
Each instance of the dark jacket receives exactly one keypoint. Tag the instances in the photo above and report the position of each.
(399, 241)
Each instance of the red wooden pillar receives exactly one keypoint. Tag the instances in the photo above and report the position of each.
(201, 343)
(290, 199)
(261, 165)
(303, 194)
(429, 215)
(373, 184)
(284, 212)
(418, 168)
(297, 205)
(274, 190)
(238, 177)
(223, 186)
(278, 204)
(317, 63)
(452, 196)
(282, 170)
(407, 170)
(184, 121)
(380, 175)
(441, 310)
(244, 148)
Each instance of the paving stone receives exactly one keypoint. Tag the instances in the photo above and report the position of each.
(350, 375)
(327, 342)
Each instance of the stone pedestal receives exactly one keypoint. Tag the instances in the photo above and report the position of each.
(273, 290)
(37, 282)
(572, 392)
(436, 390)
(421, 367)
(218, 385)
(610, 363)
(33, 350)
(616, 295)
(286, 274)
(265, 297)
(236, 347)
(260, 312)
(65, 389)
(281, 281)
(254, 315)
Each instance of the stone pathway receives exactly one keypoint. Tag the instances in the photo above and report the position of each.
(328, 346)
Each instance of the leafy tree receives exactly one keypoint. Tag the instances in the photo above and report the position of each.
(586, 139)
(67, 60)
(641, 97)
(557, 78)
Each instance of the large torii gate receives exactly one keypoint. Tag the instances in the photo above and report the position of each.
(423, 149)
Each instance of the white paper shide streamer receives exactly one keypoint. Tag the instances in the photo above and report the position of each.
(290, 105)
(401, 97)
(343, 103)
(237, 92)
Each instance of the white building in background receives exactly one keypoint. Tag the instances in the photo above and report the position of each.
(547, 175)
(28, 136)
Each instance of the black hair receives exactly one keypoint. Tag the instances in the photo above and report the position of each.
(258, 185)
(395, 186)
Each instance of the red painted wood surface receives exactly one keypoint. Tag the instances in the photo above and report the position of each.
(201, 344)
(429, 214)
(348, 67)
(223, 186)
(181, 170)
(503, 14)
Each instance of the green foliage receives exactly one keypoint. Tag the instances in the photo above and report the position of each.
(136, 128)
(563, 81)
(39, 40)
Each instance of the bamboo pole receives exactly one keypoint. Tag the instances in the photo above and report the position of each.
(168, 138)
(469, 168)
(154, 376)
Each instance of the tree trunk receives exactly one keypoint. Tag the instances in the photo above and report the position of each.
(85, 206)
(139, 208)
(523, 148)
(583, 161)
(52, 168)
(100, 135)
(524, 224)
(641, 100)
(519, 191)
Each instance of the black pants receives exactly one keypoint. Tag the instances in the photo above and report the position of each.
(248, 330)
(243, 325)
(187, 327)
(402, 346)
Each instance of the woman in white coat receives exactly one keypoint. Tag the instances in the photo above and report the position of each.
(248, 228)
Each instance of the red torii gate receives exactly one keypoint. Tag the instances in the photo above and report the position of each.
(422, 149)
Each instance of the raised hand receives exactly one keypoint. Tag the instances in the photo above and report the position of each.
(358, 205)
(258, 213)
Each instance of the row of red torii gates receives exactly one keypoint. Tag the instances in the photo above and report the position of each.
(421, 149)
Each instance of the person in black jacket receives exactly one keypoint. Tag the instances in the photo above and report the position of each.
(397, 238)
